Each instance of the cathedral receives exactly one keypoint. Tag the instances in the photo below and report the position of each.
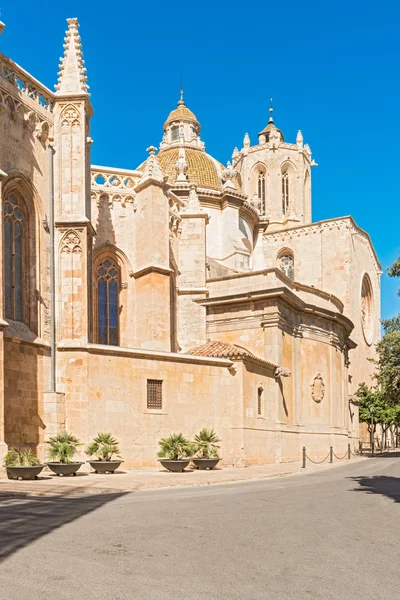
(180, 294)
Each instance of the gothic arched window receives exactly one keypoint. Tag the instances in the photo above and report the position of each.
(285, 191)
(286, 264)
(14, 264)
(261, 190)
(107, 292)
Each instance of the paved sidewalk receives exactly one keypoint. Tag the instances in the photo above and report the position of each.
(148, 479)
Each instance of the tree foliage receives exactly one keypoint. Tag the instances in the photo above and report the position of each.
(381, 404)
(175, 447)
(104, 447)
(206, 443)
(62, 447)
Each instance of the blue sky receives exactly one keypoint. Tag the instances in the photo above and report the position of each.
(332, 69)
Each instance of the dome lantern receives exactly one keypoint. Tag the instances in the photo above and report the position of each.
(181, 128)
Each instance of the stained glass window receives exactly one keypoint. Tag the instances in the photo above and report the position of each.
(108, 286)
(13, 259)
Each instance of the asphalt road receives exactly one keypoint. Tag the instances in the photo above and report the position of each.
(328, 535)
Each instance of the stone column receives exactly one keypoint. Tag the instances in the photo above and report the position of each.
(74, 231)
(192, 274)
(3, 324)
(152, 270)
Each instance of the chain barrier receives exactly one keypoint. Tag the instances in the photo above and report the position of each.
(346, 455)
(318, 462)
(330, 455)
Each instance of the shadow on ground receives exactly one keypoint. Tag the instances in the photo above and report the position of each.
(24, 519)
(379, 484)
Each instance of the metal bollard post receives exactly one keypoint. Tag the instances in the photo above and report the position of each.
(331, 454)
(360, 448)
(348, 451)
(304, 457)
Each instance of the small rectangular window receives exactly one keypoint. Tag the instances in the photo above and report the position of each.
(154, 394)
(175, 134)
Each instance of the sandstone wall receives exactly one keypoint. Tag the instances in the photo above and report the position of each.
(25, 370)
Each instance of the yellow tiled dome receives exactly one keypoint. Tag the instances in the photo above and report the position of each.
(202, 169)
(182, 113)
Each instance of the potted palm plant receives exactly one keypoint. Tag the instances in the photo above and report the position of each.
(206, 448)
(22, 464)
(104, 447)
(175, 452)
(62, 449)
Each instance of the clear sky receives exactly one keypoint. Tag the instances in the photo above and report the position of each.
(332, 69)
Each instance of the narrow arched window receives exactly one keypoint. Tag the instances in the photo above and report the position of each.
(261, 190)
(285, 191)
(14, 265)
(108, 287)
(175, 133)
(286, 265)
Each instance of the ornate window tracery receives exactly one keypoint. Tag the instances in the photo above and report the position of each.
(285, 191)
(14, 264)
(286, 264)
(108, 285)
(261, 190)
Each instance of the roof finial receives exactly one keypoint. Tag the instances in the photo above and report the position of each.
(181, 100)
(72, 77)
(271, 111)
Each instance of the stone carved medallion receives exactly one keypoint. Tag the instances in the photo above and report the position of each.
(318, 388)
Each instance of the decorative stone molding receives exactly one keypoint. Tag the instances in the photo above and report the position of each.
(70, 116)
(111, 199)
(228, 174)
(181, 166)
(152, 170)
(71, 243)
(193, 205)
(25, 85)
(318, 388)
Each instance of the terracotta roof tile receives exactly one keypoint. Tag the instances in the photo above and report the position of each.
(218, 349)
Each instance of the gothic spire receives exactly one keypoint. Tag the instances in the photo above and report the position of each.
(72, 77)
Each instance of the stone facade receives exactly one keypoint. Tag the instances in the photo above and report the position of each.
(154, 265)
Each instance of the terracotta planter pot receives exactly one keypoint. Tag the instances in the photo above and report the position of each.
(174, 465)
(24, 472)
(64, 469)
(105, 466)
(205, 463)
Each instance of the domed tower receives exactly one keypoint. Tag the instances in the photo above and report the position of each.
(277, 175)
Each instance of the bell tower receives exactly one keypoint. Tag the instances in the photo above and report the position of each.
(277, 176)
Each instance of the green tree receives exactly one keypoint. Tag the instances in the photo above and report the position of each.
(384, 412)
(393, 324)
